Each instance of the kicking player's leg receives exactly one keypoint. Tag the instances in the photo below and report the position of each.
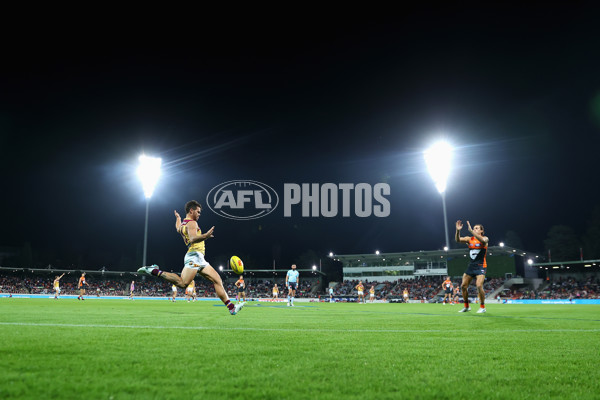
(209, 273)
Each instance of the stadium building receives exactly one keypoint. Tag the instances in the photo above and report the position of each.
(503, 262)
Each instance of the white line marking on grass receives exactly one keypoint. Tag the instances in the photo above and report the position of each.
(236, 328)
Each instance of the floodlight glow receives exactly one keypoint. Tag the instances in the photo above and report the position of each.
(445, 248)
(330, 254)
(149, 172)
(501, 244)
(377, 252)
(314, 267)
(220, 268)
(530, 261)
(438, 159)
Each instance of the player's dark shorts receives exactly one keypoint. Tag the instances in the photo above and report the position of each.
(448, 291)
(292, 285)
(475, 269)
(241, 290)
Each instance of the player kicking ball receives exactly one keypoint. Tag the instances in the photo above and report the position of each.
(476, 269)
(194, 262)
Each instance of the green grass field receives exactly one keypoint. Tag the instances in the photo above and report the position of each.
(118, 349)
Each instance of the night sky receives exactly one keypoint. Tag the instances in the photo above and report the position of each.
(516, 93)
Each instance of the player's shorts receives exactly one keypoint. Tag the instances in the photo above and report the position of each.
(448, 291)
(194, 260)
(189, 291)
(360, 293)
(372, 294)
(57, 290)
(292, 285)
(275, 294)
(475, 269)
(241, 290)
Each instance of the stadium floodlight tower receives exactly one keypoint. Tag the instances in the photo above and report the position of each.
(148, 172)
(439, 159)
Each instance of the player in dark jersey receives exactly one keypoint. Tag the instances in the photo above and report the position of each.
(477, 265)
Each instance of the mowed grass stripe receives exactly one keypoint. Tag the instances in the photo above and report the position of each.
(320, 330)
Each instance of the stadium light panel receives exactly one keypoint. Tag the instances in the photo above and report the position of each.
(438, 158)
(149, 172)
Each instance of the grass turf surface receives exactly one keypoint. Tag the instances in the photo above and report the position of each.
(120, 349)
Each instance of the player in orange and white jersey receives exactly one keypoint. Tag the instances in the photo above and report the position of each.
(241, 288)
(81, 286)
(447, 286)
(477, 265)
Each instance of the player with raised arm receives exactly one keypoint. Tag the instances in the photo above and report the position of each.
(56, 285)
(291, 282)
(477, 265)
(194, 262)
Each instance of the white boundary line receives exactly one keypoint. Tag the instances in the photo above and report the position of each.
(234, 328)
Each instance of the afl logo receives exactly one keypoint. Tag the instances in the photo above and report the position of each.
(242, 200)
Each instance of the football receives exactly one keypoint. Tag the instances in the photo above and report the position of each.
(236, 265)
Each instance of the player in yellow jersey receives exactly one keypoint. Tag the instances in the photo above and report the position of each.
(189, 291)
(194, 262)
(275, 293)
(372, 293)
(174, 293)
(405, 295)
(361, 292)
(57, 286)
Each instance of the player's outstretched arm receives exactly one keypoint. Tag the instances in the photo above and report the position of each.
(481, 238)
(177, 221)
(457, 237)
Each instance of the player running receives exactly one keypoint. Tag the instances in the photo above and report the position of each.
(194, 261)
(447, 286)
(291, 282)
(477, 265)
(131, 290)
(57, 286)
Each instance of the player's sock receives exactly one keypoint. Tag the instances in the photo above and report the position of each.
(229, 305)
(482, 306)
(156, 272)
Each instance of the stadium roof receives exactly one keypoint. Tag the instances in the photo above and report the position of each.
(426, 254)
